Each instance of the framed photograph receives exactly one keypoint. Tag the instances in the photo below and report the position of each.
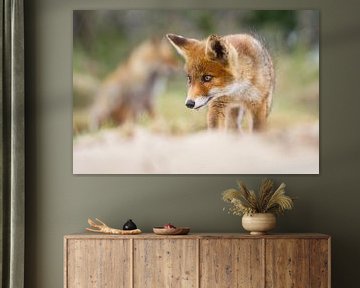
(195, 91)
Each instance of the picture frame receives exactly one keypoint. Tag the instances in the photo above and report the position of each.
(118, 112)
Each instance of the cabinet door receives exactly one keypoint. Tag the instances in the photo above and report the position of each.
(165, 263)
(320, 263)
(287, 263)
(98, 263)
(230, 263)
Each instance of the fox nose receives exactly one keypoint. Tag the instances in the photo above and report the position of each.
(190, 104)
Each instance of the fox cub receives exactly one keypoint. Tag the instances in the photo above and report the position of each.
(130, 90)
(231, 74)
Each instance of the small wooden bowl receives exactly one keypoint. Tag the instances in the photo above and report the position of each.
(171, 231)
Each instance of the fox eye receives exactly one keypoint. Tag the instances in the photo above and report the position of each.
(206, 78)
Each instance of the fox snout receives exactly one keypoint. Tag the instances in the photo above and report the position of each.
(190, 104)
(197, 102)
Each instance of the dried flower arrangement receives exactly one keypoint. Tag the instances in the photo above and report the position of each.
(246, 202)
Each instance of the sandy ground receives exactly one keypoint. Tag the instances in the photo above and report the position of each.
(294, 151)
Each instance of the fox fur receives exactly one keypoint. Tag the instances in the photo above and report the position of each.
(231, 75)
(130, 90)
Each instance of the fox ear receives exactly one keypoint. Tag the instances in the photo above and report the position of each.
(217, 49)
(181, 44)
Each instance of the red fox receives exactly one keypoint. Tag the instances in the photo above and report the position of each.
(130, 90)
(231, 74)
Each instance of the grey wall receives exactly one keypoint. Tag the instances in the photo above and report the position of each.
(59, 203)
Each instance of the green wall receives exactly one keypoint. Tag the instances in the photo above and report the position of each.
(59, 203)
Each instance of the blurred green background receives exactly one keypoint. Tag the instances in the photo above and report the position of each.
(103, 39)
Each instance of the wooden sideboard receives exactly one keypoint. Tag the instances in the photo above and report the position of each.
(197, 260)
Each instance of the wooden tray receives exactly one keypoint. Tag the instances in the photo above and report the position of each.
(171, 231)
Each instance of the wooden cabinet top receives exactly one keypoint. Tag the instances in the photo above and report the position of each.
(199, 236)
